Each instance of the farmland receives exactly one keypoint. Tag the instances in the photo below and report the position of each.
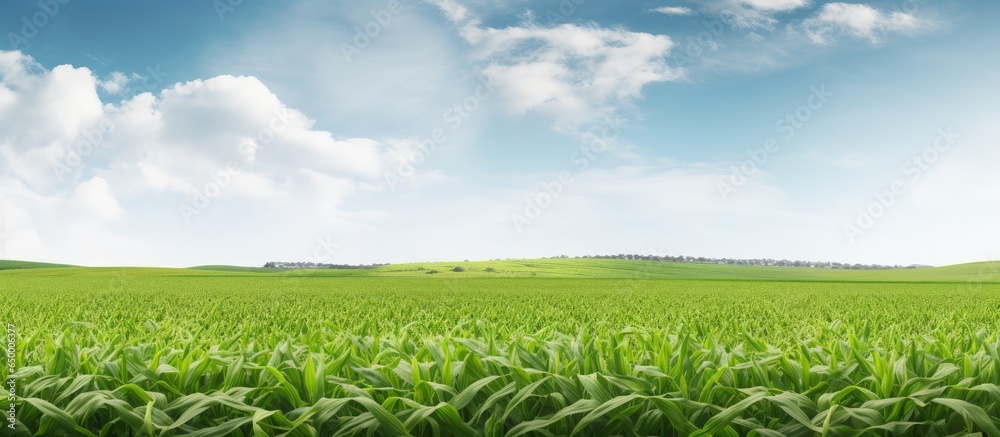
(539, 347)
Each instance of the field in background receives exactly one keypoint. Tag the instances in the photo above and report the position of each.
(594, 347)
(972, 273)
(15, 265)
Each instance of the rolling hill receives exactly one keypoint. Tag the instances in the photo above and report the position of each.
(980, 272)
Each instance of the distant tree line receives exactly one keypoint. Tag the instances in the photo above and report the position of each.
(312, 265)
(749, 262)
(666, 258)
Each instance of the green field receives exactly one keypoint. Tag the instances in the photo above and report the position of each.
(535, 347)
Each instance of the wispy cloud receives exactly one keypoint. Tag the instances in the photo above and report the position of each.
(776, 5)
(751, 14)
(117, 82)
(673, 10)
(858, 21)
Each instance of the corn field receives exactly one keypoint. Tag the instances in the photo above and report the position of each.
(144, 353)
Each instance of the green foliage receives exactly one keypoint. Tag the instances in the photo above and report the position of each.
(185, 352)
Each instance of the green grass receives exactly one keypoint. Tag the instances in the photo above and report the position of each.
(222, 268)
(590, 347)
(11, 265)
(981, 272)
(615, 268)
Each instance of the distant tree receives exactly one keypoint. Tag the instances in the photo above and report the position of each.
(313, 265)
(750, 262)
(432, 272)
(458, 269)
(489, 269)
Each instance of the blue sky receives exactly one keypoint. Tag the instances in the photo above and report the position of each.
(185, 133)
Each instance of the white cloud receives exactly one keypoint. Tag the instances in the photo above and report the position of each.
(673, 10)
(40, 107)
(857, 20)
(117, 82)
(226, 139)
(192, 130)
(49, 225)
(578, 75)
(454, 11)
(95, 197)
(776, 5)
(459, 14)
(751, 14)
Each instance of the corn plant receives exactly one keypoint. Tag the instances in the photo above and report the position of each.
(155, 353)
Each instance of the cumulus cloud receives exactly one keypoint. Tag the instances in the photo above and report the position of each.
(575, 73)
(177, 140)
(38, 107)
(578, 75)
(66, 154)
(96, 198)
(858, 21)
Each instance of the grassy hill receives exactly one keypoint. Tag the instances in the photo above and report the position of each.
(14, 265)
(223, 268)
(981, 272)
(616, 268)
